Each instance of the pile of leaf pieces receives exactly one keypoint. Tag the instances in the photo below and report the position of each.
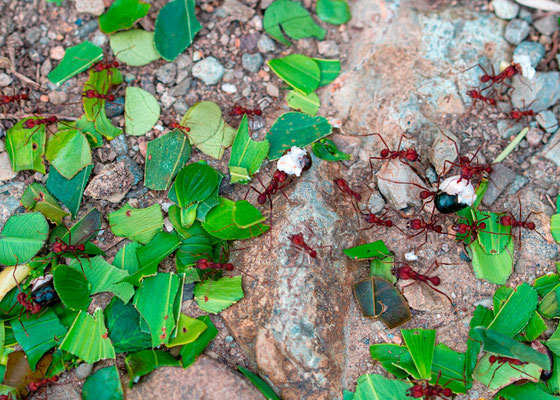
(514, 363)
(44, 302)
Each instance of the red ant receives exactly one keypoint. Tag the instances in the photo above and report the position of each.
(501, 360)
(517, 114)
(418, 224)
(297, 240)
(238, 110)
(388, 154)
(510, 220)
(176, 125)
(430, 392)
(101, 66)
(92, 94)
(343, 186)
(477, 96)
(205, 264)
(507, 73)
(374, 220)
(277, 183)
(34, 386)
(7, 99)
(472, 229)
(405, 272)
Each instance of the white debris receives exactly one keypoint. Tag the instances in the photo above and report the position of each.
(462, 188)
(42, 280)
(293, 161)
(410, 256)
(524, 61)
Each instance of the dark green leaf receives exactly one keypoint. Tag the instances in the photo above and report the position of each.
(524, 392)
(516, 312)
(72, 287)
(448, 369)
(76, 59)
(127, 258)
(122, 15)
(481, 317)
(549, 305)
(219, 223)
(295, 129)
(291, 18)
(176, 26)
(165, 156)
(330, 69)
(368, 250)
(68, 151)
(87, 127)
(389, 355)
(103, 384)
(195, 183)
(69, 192)
(544, 284)
(123, 324)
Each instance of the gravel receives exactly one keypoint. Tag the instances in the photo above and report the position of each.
(252, 62)
(516, 31)
(166, 73)
(505, 9)
(208, 70)
(547, 25)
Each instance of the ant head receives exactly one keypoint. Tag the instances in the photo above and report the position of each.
(339, 182)
(492, 101)
(174, 125)
(424, 194)
(416, 223)
(472, 93)
(481, 225)
(438, 229)
(25, 96)
(52, 119)
(313, 253)
(488, 169)
(81, 247)
(416, 391)
(404, 272)
(384, 152)
(280, 176)
(90, 94)
(202, 263)
(99, 67)
(115, 64)
(435, 280)
(57, 247)
(515, 115)
(228, 267)
(258, 112)
(493, 359)
(389, 223)
(484, 78)
(111, 97)
(531, 226)
(261, 199)
(29, 123)
(297, 239)
(447, 392)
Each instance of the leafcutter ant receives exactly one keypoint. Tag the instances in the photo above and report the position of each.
(405, 156)
(510, 220)
(405, 272)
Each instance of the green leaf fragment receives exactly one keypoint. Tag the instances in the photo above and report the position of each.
(69, 191)
(139, 225)
(516, 312)
(295, 129)
(72, 287)
(307, 103)
(336, 12)
(103, 384)
(195, 183)
(123, 324)
(22, 237)
(142, 111)
(143, 362)
(369, 250)
(220, 223)
(373, 386)
(134, 47)
(300, 72)
(69, 152)
(326, 150)
(264, 388)
(493, 268)
(188, 330)
(76, 59)
(420, 343)
(215, 296)
(330, 69)
(26, 147)
(165, 156)
(37, 198)
(291, 18)
(122, 15)
(246, 154)
(176, 26)
(191, 351)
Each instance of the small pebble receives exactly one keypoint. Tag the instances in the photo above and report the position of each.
(166, 73)
(129, 78)
(115, 108)
(534, 137)
(197, 55)
(99, 39)
(272, 90)
(5, 79)
(252, 62)
(505, 9)
(57, 98)
(93, 7)
(209, 70)
(181, 107)
(83, 370)
(265, 44)
(88, 28)
(516, 31)
(229, 339)
(534, 50)
(181, 88)
(229, 88)
(120, 145)
(507, 129)
(547, 25)
(57, 53)
(547, 120)
(328, 48)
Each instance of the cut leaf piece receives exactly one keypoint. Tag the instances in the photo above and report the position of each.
(69, 191)
(158, 311)
(144, 362)
(87, 127)
(330, 69)
(259, 383)
(516, 312)
(103, 384)
(246, 154)
(37, 198)
(493, 268)
(215, 296)
(26, 147)
(188, 330)
(22, 237)
(307, 103)
(72, 287)
(448, 369)
(127, 258)
(122, 15)
(497, 375)
(134, 47)
(104, 125)
(295, 129)
(336, 12)
(76, 59)
(88, 339)
(526, 391)
(220, 223)
(373, 386)
(141, 111)
(104, 277)
(421, 344)
(368, 250)
(291, 18)
(165, 156)
(246, 215)
(208, 130)
(139, 225)
(38, 333)
(176, 26)
(191, 351)
(123, 324)
(195, 183)
(326, 150)
(299, 71)
(69, 152)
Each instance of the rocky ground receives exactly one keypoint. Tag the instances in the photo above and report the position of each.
(402, 64)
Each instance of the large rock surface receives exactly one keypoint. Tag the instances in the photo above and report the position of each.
(301, 326)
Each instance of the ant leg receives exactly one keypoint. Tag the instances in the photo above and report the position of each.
(284, 194)
(440, 292)
(331, 251)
